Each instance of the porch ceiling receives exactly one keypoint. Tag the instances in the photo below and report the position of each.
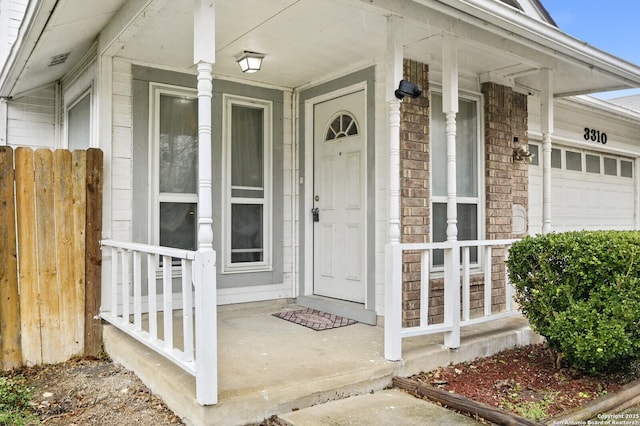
(308, 41)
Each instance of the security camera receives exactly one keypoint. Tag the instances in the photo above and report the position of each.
(407, 88)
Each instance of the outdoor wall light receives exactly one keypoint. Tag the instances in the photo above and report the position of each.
(407, 88)
(249, 62)
(522, 154)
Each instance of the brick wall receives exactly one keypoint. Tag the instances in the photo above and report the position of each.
(505, 116)
(414, 186)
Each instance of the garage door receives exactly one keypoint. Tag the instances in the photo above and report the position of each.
(589, 190)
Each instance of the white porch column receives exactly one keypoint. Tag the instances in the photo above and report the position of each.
(546, 124)
(393, 272)
(205, 199)
(394, 75)
(205, 265)
(450, 109)
(451, 256)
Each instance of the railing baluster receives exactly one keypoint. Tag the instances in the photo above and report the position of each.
(137, 291)
(424, 286)
(197, 269)
(187, 308)
(457, 275)
(508, 288)
(152, 296)
(126, 285)
(167, 302)
(488, 282)
(466, 285)
(114, 282)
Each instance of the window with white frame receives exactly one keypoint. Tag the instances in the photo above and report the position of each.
(247, 184)
(468, 179)
(174, 156)
(79, 123)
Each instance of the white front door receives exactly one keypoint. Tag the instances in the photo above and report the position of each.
(339, 231)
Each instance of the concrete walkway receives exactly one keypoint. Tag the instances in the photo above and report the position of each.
(390, 407)
(269, 366)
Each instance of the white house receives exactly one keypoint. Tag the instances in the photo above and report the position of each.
(309, 177)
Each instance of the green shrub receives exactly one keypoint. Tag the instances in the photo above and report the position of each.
(581, 291)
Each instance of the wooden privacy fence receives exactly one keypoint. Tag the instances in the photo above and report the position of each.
(50, 229)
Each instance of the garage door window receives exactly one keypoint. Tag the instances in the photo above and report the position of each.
(610, 166)
(535, 155)
(626, 169)
(574, 161)
(593, 163)
(556, 158)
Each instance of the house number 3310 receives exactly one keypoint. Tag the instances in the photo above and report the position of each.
(595, 135)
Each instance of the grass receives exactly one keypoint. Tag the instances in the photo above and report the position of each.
(15, 397)
(534, 410)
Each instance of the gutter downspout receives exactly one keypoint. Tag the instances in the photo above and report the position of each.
(3, 121)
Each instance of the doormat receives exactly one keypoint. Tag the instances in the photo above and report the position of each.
(314, 319)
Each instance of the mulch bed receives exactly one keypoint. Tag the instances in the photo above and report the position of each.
(524, 381)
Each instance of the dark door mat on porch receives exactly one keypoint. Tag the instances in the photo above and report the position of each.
(314, 319)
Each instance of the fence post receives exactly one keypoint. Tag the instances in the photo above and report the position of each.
(204, 275)
(10, 341)
(393, 303)
(452, 295)
(93, 254)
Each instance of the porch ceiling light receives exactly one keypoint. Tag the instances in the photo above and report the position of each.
(249, 62)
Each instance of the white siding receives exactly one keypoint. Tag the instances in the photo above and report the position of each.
(31, 119)
(122, 152)
(11, 14)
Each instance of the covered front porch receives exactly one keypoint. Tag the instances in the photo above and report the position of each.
(485, 55)
(269, 366)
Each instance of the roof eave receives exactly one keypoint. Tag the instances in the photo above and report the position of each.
(33, 24)
(549, 37)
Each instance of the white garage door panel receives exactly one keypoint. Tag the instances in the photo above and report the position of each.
(581, 200)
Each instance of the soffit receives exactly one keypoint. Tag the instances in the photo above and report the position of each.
(308, 41)
(71, 27)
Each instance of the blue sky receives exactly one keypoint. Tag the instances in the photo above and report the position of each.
(610, 25)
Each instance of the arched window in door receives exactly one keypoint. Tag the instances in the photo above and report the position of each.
(342, 125)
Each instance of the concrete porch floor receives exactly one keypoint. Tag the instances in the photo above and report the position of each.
(270, 366)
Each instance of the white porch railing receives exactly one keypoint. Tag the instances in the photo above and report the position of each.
(458, 270)
(138, 314)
